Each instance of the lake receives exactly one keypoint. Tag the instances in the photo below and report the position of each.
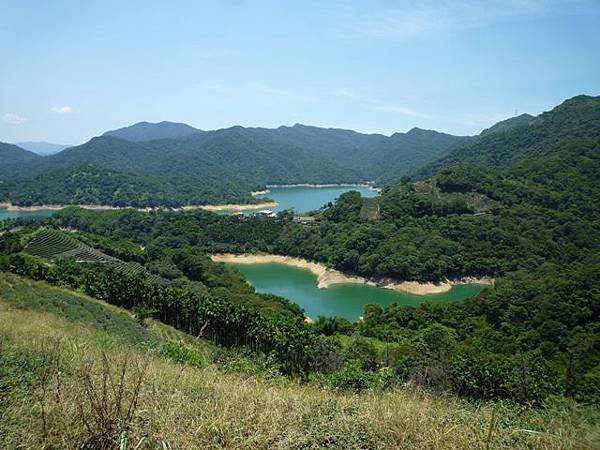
(303, 199)
(5, 214)
(341, 300)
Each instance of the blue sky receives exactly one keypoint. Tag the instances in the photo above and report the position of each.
(73, 69)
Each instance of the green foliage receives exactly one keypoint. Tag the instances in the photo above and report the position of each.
(354, 377)
(181, 353)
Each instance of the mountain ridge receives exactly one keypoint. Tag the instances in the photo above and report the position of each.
(149, 131)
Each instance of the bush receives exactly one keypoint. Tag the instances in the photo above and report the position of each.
(183, 354)
(354, 377)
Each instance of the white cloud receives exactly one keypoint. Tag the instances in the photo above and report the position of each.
(13, 118)
(61, 109)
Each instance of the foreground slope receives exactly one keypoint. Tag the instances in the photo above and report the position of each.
(60, 348)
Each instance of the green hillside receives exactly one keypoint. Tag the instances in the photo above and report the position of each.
(77, 373)
(508, 124)
(374, 156)
(574, 123)
(56, 245)
(14, 161)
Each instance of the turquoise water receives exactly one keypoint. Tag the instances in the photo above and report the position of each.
(4, 214)
(341, 300)
(304, 199)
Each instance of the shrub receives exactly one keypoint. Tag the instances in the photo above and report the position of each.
(183, 354)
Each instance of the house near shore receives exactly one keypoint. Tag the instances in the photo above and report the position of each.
(266, 213)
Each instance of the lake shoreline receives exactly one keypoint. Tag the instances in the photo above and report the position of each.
(223, 207)
(327, 277)
(308, 185)
(233, 207)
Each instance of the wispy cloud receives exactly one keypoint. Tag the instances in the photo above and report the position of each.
(401, 110)
(375, 104)
(276, 92)
(426, 18)
(61, 109)
(348, 93)
(13, 118)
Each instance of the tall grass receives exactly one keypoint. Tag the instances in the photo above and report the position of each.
(95, 392)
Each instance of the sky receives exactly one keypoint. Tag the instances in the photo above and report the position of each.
(74, 69)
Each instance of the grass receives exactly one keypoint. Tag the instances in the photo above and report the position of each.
(65, 383)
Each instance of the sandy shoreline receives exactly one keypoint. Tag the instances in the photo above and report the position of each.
(327, 277)
(264, 205)
(11, 207)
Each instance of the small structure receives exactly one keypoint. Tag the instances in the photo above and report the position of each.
(266, 213)
(238, 215)
(305, 220)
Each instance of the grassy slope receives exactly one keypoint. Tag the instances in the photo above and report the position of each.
(189, 407)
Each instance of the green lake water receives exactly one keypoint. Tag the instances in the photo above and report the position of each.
(5, 214)
(341, 300)
(304, 199)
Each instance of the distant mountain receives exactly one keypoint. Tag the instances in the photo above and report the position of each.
(224, 165)
(574, 122)
(146, 131)
(42, 148)
(14, 160)
(216, 166)
(376, 157)
(508, 124)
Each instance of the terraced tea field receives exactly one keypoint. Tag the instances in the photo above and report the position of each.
(54, 245)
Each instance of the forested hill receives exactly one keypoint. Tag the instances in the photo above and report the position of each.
(575, 123)
(197, 167)
(361, 156)
(146, 131)
(377, 157)
(13, 160)
(211, 167)
(508, 124)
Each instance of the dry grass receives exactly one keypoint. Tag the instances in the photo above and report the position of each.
(184, 407)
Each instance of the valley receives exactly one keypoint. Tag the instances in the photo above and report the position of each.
(266, 225)
(473, 276)
(342, 297)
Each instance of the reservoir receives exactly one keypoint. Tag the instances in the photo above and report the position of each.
(5, 214)
(303, 199)
(340, 300)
